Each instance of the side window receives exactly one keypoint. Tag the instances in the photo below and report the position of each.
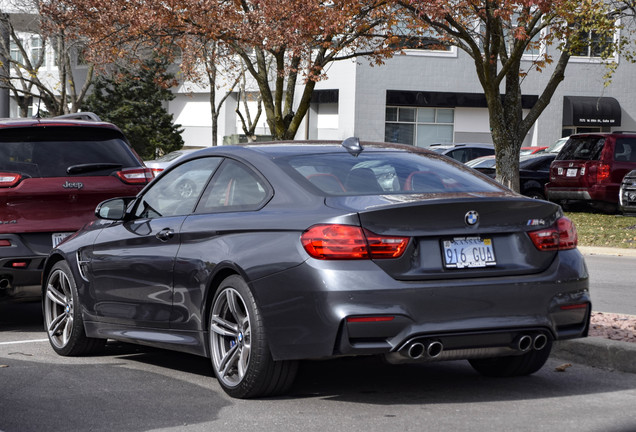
(177, 192)
(235, 187)
(625, 150)
(482, 152)
(460, 154)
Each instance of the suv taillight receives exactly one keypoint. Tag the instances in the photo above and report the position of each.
(347, 242)
(9, 179)
(603, 172)
(135, 175)
(560, 236)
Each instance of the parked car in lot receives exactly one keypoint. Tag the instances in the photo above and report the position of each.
(53, 172)
(464, 152)
(590, 168)
(556, 146)
(534, 171)
(306, 251)
(627, 194)
(189, 183)
(163, 162)
(532, 150)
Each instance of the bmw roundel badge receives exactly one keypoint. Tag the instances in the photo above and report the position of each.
(471, 218)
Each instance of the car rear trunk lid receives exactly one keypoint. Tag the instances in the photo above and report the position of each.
(490, 230)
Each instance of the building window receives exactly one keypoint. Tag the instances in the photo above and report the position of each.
(37, 51)
(411, 37)
(16, 54)
(593, 45)
(419, 126)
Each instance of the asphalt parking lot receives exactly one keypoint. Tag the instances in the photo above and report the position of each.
(134, 388)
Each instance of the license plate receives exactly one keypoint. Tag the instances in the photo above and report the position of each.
(58, 238)
(468, 252)
(571, 172)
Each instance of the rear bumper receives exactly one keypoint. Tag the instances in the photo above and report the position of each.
(21, 266)
(606, 193)
(21, 283)
(308, 317)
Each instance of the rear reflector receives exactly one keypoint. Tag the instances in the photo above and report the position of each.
(574, 306)
(135, 175)
(370, 319)
(560, 236)
(5, 243)
(347, 242)
(19, 264)
(9, 179)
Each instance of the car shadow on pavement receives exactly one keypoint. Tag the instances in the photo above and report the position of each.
(368, 380)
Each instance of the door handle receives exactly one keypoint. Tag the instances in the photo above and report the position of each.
(165, 234)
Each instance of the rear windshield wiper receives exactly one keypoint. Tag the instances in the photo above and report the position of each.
(84, 168)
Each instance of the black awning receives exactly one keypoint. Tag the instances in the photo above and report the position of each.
(324, 96)
(446, 99)
(591, 111)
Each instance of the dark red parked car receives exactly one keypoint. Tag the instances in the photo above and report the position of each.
(590, 168)
(53, 173)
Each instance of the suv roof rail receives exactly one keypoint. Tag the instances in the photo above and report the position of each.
(80, 116)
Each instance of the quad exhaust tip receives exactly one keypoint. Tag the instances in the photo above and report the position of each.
(526, 342)
(433, 348)
(430, 349)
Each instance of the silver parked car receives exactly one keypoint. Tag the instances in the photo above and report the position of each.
(627, 194)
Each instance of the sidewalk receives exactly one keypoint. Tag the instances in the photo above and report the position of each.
(596, 351)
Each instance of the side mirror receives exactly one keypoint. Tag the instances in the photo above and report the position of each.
(113, 209)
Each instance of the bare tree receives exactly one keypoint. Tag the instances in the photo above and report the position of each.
(28, 77)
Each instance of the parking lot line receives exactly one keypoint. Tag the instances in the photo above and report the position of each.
(23, 342)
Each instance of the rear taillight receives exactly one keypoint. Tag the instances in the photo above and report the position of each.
(9, 179)
(135, 175)
(156, 171)
(603, 172)
(560, 236)
(346, 242)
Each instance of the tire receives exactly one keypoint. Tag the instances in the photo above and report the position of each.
(240, 354)
(525, 364)
(62, 315)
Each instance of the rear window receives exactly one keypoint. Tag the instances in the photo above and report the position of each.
(584, 148)
(384, 173)
(50, 152)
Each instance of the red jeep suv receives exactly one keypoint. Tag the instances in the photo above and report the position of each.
(53, 173)
(590, 167)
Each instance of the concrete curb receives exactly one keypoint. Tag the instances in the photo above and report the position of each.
(598, 352)
(594, 250)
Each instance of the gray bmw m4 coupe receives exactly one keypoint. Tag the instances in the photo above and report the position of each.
(311, 250)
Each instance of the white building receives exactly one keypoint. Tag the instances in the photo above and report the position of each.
(420, 97)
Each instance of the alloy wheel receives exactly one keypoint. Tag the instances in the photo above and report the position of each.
(58, 309)
(230, 335)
